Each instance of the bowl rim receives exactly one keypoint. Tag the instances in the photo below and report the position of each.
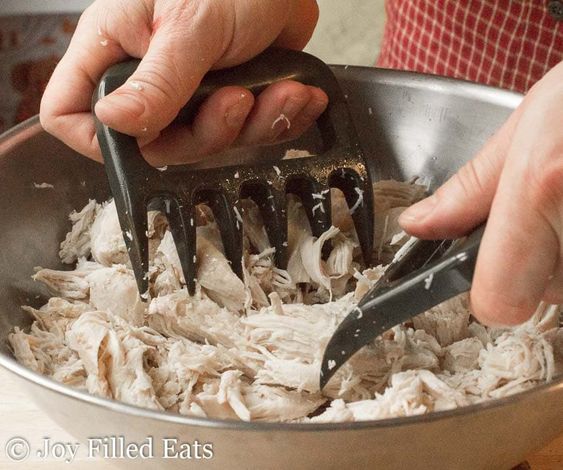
(32, 126)
(9, 363)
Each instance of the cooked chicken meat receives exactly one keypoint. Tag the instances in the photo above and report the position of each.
(251, 349)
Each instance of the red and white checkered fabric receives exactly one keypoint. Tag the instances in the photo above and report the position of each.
(506, 43)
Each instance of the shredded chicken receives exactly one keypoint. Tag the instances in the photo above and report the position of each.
(250, 349)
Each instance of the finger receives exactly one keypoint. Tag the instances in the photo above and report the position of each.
(65, 106)
(464, 201)
(308, 115)
(515, 259)
(274, 112)
(221, 118)
(167, 75)
(216, 126)
(521, 249)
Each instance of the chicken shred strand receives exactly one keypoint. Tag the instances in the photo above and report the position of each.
(251, 349)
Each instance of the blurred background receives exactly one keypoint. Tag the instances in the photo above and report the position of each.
(349, 31)
(35, 33)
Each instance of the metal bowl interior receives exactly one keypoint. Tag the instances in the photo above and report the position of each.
(411, 125)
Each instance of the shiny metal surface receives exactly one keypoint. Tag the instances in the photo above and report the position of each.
(417, 126)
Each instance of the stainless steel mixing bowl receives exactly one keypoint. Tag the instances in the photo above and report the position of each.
(412, 125)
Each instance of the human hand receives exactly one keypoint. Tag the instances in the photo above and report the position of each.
(178, 42)
(516, 181)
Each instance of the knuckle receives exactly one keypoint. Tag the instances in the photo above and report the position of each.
(469, 179)
(162, 78)
(200, 16)
(162, 84)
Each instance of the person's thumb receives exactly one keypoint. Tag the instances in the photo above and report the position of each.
(464, 201)
(167, 76)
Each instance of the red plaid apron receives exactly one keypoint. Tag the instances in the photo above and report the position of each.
(506, 43)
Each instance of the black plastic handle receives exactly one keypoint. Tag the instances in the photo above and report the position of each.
(395, 302)
(271, 66)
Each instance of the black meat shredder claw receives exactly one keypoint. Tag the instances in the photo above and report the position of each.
(423, 274)
(135, 184)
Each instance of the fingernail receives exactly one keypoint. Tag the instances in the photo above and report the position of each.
(129, 104)
(238, 112)
(419, 211)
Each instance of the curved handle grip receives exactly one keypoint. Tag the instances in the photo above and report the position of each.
(386, 306)
(270, 66)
